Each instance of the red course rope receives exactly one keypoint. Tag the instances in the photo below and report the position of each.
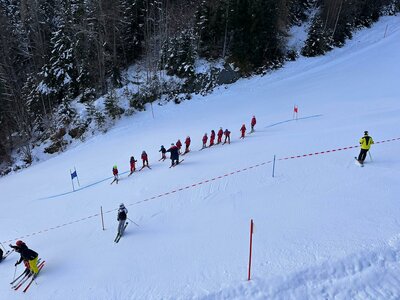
(197, 184)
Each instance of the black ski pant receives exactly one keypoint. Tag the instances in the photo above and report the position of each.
(362, 155)
(174, 161)
(121, 226)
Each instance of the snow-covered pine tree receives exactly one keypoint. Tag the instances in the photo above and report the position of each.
(319, 39)
(111, 105)
(179, 54)
(132, 22)
(211, 20)
(59, 75)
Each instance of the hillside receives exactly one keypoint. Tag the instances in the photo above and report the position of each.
(324, 227)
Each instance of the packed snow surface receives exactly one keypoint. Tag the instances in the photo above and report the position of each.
(325, 228)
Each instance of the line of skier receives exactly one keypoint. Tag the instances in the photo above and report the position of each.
(175, 148)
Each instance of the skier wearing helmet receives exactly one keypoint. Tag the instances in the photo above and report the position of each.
(253, 123)
(187, 144)
(212, 138)
(219, 135)
(26, 255)
(205, 138)
(163, 151)
(121, 218)
(243, 131)
(115, 173)
(365, 144)
(179, 145)
(174, 150)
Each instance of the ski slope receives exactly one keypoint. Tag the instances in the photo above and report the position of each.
(324, 227)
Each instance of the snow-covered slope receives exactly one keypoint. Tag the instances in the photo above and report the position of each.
(324, 227)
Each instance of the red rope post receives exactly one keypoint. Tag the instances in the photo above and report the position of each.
(251, 247)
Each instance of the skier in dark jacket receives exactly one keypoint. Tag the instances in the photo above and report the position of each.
(163, 151)
(227, 134)
(26, 255)
(122, 216)
(174, 155)
(1, 254)
(133, 165)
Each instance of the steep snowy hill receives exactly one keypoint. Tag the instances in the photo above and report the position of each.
(324, 227)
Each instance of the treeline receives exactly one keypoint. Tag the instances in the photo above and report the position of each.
(53, 51)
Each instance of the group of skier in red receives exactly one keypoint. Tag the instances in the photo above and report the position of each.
(175, 149)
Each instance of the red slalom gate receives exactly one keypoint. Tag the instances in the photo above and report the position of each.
(251, 248)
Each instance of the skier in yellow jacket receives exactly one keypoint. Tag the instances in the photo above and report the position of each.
(365, 143)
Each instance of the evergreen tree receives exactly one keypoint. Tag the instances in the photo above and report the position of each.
(211, 18)
(111, 106)
(319, 39)
(180, 55)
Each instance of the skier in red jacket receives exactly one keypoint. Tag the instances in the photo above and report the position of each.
(179, 145)
(115, 173)
(253, 123)
(219, 135)
(243, 130)
(145, 160)
(205, 138)
(187, 144)
(212, 138)
(227, 134)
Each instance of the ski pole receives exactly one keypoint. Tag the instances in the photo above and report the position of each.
(370, 157)
(133, 222)
(15, 272)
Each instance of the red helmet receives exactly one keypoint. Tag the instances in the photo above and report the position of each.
(19, 243)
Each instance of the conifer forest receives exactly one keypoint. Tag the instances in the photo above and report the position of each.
(55, 52)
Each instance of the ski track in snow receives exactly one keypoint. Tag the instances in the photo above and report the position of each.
(365, 275)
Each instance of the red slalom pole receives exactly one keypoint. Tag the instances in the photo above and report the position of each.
(251, 246)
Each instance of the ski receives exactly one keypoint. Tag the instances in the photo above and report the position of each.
(115, 180)
(143, 168)
(162, 159)
(25, 272)
(26, 278)
(33, 277)
(174, 165)
(358, 162)
(6, 255)
(116, 238)
(120, 235)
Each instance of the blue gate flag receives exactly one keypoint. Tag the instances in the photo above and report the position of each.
(74, 174)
